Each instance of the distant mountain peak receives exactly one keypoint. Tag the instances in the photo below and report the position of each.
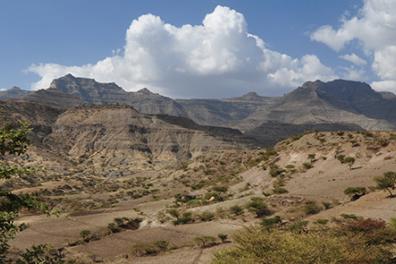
(250, 96)
(69, 75)
(15, 88)
(145, 91)
(13, 93)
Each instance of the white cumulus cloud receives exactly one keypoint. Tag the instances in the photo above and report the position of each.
(355, 59)
(214, 59)
(374, 28)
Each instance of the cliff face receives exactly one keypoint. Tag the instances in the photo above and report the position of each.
(324, 105)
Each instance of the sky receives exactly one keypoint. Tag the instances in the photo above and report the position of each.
(201, 48)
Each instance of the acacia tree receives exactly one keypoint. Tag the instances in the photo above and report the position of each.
(13, 142)
(387, 182)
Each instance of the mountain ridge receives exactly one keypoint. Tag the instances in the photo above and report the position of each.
(335, 102)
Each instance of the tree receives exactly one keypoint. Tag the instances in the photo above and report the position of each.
(13, 142)
(387, 182)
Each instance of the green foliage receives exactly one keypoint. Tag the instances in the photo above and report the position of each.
(121, 223)
(236, 210)
(355, 192)
(205, 241)
(206, 216)
(185, 218)
(311, 207)
(271, 222)
(275, 170)
(223, 237)
(258, 246)
(13, 141)
(257, 206)
(298, 226)
(307, 165)
(42, 254)
(387, 182)
(346, 160)
(85, 235)
(279, 186)
(150, 249)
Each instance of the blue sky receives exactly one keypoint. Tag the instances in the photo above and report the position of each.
(79, 32)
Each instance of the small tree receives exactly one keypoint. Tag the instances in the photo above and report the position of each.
(13, 141)
(387, 182)
(355, 192)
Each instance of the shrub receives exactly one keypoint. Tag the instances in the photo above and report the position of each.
(307, 165)
(205, 241)
(121, 223)
(280, 190)
(150, 249)
(85, 235)
(255, 245)
(322, 221)
(236, 210)
(206, 216)
(278, 186)
(275, 170)
(355, 192)
(311, 207)
(269, 223)
(223, 237)
(364, 225)
(185, 218)
(42, 254)
(258, 206)
(387, 182)
(298, 226)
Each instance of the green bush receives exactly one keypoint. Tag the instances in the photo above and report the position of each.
(258, 206)
(150, 249)
(275, 170)
(255, 245)
(205, 241)
(311, 207)
(236, 210)
(269, 223)
(223, 237)
(185, 218)
(387, 182)
(355, 192)
(206, 216)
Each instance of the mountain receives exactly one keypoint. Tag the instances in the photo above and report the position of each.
(338, 103)
(111, 139)
(73, 91)
(269, 133)
(12, 93)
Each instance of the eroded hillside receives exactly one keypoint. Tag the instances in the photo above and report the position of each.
(152, 214)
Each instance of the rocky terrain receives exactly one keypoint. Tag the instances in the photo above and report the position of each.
(318, 105)
(138, 177)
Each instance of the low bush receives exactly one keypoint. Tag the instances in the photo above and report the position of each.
(311, 207)
(150, 249)
(355, 192)
(205, 241)
(257, 206)
(236, 210)
(255, 245)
